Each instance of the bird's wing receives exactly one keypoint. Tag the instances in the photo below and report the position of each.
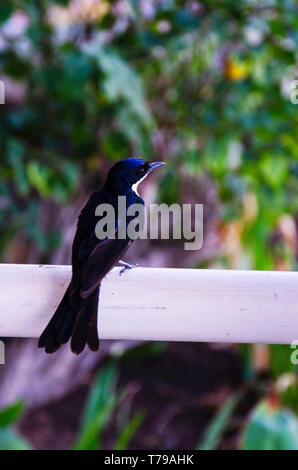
(102, 258)
(92, 257)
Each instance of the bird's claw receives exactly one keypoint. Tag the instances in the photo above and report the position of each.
(126, 267)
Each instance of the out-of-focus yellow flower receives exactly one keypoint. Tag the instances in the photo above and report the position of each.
(236, 71)
(87, 11)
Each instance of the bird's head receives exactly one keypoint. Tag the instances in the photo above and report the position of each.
(128, 173)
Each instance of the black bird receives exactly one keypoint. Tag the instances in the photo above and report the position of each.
(92, 259)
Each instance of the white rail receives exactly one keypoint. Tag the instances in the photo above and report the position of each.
(161, 304)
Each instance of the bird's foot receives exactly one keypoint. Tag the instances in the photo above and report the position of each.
(126, 266)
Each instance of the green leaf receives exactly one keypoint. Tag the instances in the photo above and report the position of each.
(121, 82)
(100, 406)
(219, 423)
(271, 427)
(38, 177)
(129, 431)
(6, 9)
(10, 440)
(274, 169)
(16, 151)
(280, 359)
(10, 414)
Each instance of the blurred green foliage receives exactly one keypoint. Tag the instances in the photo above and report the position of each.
(203, 85)
(9, 438)
(102, 403)
(219, 423)
(206, 85)
(271, 427)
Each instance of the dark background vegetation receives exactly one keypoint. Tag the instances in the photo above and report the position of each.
(204, 86)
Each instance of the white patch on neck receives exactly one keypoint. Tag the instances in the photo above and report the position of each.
(135, 186)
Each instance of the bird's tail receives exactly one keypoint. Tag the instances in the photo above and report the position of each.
(74, 317)
(85, 328)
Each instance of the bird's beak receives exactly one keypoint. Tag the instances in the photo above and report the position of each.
(154, 165)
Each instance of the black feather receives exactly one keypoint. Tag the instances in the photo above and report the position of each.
(92, 335)
(83, 322)
(92, 259)
(49, 333)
